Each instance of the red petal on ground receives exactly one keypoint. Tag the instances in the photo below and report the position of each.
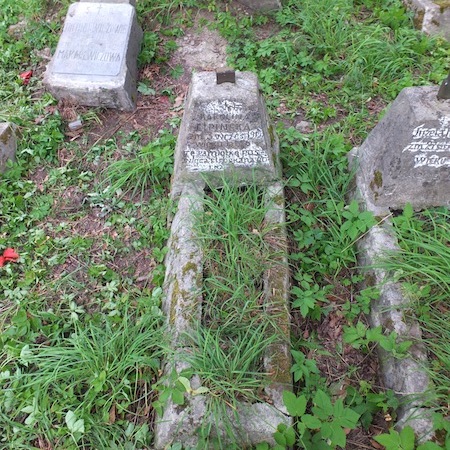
(25, 76)
(2, 261)
(10, 255)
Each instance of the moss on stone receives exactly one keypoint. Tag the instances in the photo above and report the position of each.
(443, 5)
(6, 136)
(418, 19)
(189, 266)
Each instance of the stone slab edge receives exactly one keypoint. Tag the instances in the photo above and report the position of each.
(430, 17)
(406, 377)
(8, 144)
(253, 423)
(262, 5)
(130, 2)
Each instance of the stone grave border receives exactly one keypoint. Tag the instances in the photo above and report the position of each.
(8, 144)
(256, 422)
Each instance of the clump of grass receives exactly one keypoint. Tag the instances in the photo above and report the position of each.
(84, 388)
(229, 343)
(150, 167)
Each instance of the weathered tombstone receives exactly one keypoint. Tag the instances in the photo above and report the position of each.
(262, 5)
(431, 16)
(225, 135)
(225, 130)
(406, 157)
(131, 2)
(8, 144)
(95, 62)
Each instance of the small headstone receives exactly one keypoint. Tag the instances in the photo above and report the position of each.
(131, 2)
(225, 131)
(262, 5)
(95, 62)
(8, 144)
(406, 157)
(431, 16)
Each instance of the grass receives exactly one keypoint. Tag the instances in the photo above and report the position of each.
(89, 223)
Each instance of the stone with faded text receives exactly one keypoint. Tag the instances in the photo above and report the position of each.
(95, 62)
(406, 157)
(225, 132)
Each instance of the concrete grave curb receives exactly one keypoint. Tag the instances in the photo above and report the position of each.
(252, 423)
(8, 144)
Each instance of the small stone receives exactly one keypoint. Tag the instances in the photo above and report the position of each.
(262, 5)
(75, 125)
(303, 126)
(8, 144)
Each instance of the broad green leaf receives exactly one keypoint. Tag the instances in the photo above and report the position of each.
(178, 397)
(323, 404)
(312, 422)
(73, 424)
(296, 406)
(407, 438)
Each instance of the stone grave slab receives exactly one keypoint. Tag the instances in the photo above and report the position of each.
(406, 157)
(8, 144)
(131, 2)
(431, 16)
(95, 62)
(225, 132)
(262, 5)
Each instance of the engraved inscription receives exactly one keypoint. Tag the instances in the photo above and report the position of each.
(429, 144)
(88, 55)
(92, 27)
(225, 135)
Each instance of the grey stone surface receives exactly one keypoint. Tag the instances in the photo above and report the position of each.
(130, 2)
(8, 144)
(407, 377)
(262, 5)
(431, 17)
(406, 157)
(225, 132)
(95, 62)
(251, 423)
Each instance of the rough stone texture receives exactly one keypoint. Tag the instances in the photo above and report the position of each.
(431, 17)
(95, 62)
(225, 132)
(130, 2)
(251, 423)
(406, 157)
(262, 5)
(406, 377)
(8, 144)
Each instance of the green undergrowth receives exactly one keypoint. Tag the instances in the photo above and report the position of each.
(229, 343)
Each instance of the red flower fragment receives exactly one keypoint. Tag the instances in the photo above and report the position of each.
(8, 255)
(25, 76)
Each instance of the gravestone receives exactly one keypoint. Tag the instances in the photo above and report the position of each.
(225, 136)
(406, 157)
(431, 16)
(8, 144)
(95, 62)
(131, 2)
(225, 132)
(262, 5)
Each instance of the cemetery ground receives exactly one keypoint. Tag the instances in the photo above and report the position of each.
(82, 332)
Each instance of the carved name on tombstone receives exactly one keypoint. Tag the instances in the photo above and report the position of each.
(95, 62)
(225, 132)
(406, 157)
